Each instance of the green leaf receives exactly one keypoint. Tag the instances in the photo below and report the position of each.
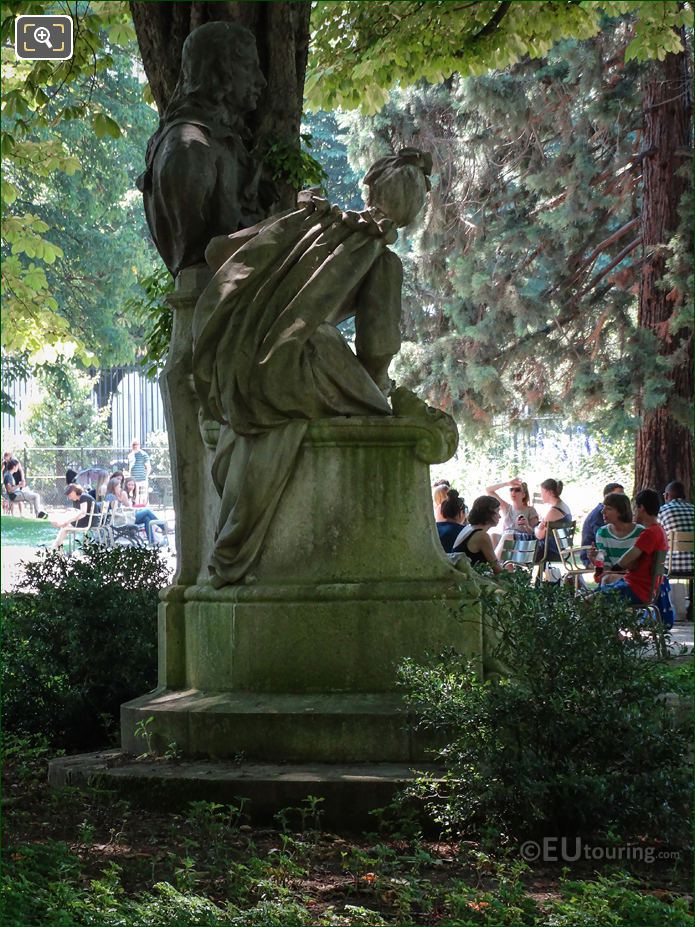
(121, 33)
(9, 192)
(105, 126)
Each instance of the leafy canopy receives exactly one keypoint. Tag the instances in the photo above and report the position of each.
(361, 50)
(53, 276)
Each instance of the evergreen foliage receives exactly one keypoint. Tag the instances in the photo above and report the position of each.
(341, 183)
(577, 741)
(521, 282)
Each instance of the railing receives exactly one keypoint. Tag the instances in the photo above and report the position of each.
(134, 404)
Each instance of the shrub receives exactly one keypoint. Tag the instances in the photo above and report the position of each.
(616, 901)
(577, 742)
(44, 884)
(508, 903)
(80, 643)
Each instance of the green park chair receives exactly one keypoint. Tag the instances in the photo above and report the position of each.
(571, 557)
(522, 553)
(681, 542)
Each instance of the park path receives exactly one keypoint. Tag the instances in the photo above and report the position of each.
(12, 557)
(10, 563)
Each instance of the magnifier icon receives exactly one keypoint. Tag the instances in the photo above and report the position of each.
(42, 35)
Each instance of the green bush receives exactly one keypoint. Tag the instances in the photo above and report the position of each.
(577, 742)
(613, 900)
(616, 901)
(80, 643)
(44, 884)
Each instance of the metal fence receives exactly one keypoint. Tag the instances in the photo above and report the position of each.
(45, 468)
(133, 401)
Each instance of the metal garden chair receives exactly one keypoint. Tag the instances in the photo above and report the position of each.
(650, 607)
(681, 542)
(570, 557)
(74, 533)
(522, 553)
(548, 555)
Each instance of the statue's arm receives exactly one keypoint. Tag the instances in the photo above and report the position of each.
(378, 317)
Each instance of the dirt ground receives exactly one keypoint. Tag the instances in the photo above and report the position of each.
(210, 850)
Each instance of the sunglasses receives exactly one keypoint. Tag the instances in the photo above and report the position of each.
(515, 489)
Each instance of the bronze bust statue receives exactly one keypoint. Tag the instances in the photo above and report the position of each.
(200, 179)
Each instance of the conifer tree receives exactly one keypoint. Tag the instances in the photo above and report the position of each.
(328, 146)
(523, 280)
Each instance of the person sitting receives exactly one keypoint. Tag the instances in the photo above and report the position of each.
(558, 511)
(474, 540)
(130, 488)
(114, 489)
(94, 480)
(17, 489)
(677, 515)
(125, 492)
(439, 491)
(30, 496)
(594, 521)
(453, 515)
(519, 516)
(81, 519)
(634, 582)
(619, 532)
(10, 500)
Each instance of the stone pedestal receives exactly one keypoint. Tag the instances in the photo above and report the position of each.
(299, 663)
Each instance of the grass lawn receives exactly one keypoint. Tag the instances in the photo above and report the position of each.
(26, 531)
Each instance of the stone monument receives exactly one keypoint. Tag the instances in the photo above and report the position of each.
(309, 565)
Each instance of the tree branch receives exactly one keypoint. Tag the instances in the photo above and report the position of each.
(494, 22)
(569, 315)
(606, 270)
(587, 262)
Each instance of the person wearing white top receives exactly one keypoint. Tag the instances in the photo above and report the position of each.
(518, 515)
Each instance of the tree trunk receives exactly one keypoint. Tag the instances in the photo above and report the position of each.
(664, 449)
(282, 38)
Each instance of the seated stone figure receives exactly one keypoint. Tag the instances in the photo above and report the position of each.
(267, 356)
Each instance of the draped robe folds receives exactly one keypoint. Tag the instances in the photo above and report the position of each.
(266, 362)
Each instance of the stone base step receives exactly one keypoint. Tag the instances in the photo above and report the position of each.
(275, 728)
(350, 792)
